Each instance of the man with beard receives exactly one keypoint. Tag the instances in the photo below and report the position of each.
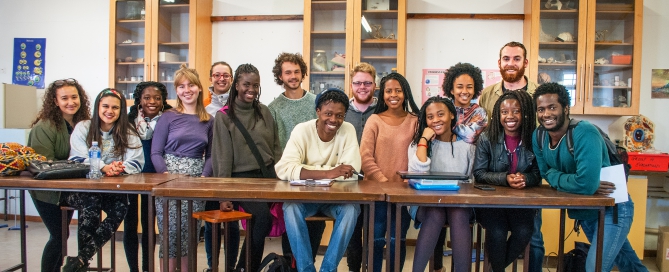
(512, 63)
(322, 148)
(294, 106)
(361, 106)
(578, 172)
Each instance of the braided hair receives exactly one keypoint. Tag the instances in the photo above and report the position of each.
(462, 69)
(528, 117)
(332, 95)
(408, 104)
(244, 69)
(137, 94)
(422, 121)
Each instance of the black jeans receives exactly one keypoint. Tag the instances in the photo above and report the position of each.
(497, 223)
(130, 239)
(52, 257)
(93, 233)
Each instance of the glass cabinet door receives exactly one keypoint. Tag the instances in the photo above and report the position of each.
(130, 46)
(327, 48)
(562, 47)
(378, 31)
(612, 33)
(171, 33)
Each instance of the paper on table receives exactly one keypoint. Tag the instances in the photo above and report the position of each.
(616, 175)
(312, 182)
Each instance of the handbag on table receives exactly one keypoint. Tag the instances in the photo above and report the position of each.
(63, 169)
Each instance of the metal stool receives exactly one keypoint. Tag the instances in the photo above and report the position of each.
(477, 248)
(65, 229)
(216, 217)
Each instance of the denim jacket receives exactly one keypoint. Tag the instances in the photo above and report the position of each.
(492, 163)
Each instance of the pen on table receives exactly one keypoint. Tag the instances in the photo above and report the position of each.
(356, 173)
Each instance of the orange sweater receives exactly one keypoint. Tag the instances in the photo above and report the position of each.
(383, 148)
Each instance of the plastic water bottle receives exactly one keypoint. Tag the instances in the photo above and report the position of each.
(94, 159)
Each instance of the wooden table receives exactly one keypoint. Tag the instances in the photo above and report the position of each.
(269, 190)
(543, 197)
(127, 184)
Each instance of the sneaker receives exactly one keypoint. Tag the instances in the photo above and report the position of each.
(207, 270)
(74, 264)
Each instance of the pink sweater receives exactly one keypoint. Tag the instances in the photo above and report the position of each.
(383, 148)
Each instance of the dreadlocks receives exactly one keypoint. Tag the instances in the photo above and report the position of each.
(244, 69)
(406, 89)
(527, 122)
(137, 94)
(422, 121)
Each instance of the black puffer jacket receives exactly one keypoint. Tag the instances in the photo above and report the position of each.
(492, 163)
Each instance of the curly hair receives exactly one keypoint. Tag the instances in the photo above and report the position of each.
(332, 95)
(52, 113)
(527, 117)
(408, 104)
(462, 69)
(552, 88)
(288, 57)
(514, 44)
(422, 121)
(244, 69)
(119, 131)
(184, 73)
(137, 94)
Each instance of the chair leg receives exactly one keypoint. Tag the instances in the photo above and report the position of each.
(113, 251)
(215, 236)
(63, 232)
(226, 238)
(479, 229)
(248, 241)
(526, 259)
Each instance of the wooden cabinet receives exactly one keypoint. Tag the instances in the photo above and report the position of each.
(593, 47)
(149, 40)
(372, 31)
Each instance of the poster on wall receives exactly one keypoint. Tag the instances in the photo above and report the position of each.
(433, 78)
(659, 84)
(29, 62)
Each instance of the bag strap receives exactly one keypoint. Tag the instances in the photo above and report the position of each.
(570, 135)
(253, 147)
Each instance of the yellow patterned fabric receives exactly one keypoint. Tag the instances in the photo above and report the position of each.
(14, 158)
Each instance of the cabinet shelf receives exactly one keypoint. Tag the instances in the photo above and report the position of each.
(613, 44)
(130, 21)
(614, 65)
(615, 15)
(557, 45)
(172, 62)
(611, 87)
(380, 14)
(174, 8)
(130, 44)
(128, 82)
(174, 44)
(559, 14)
(328, 34)
(328, 73)
(328, 5)
(379, 58)
(557, 64)
(129, 63)
(379, 43)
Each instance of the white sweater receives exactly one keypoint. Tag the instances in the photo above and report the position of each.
(133, 159)
(306, 150)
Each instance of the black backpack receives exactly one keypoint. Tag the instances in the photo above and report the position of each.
(276, 263)
(615, 156)
(574, 260)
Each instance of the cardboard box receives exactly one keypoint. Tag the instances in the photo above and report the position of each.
(648, 162)
(167, 57)
(19, 106)
(662, 259)
(621, 59)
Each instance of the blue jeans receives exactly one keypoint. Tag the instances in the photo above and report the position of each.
(345, 216)
(537, 250)
(617, 249)
(380, 223)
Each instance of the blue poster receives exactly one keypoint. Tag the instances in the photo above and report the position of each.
(29, 62)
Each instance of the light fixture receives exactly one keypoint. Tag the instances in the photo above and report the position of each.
(365, 24)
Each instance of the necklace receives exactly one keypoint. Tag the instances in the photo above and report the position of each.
(551, 147)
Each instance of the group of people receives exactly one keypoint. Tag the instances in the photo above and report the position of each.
(300, 135)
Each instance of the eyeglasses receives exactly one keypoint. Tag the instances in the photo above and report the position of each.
(224, 76)
(61, 82)
(359, 83)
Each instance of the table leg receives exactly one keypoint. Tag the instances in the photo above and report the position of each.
(22, 211)
(250, 223)
(166, 233)
(561, 242)
(193, 235)
(398, 229)
(178, 238)
(365, 238)
(388, 245)
(600, 239)
(152, 231)
(370, 234)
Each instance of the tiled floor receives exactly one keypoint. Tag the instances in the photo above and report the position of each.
(37, 236)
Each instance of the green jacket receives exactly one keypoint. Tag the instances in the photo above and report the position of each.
(52, 143)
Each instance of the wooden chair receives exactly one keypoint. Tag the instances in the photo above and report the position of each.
(65, 230)
(216, 217)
